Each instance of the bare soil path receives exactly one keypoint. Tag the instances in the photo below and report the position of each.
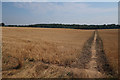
(92, 65)
(97, 66)
(93, 59)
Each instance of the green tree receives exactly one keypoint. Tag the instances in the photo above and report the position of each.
(2, 24)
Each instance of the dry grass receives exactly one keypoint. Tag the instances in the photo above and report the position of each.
(35, 45)
(110, 43)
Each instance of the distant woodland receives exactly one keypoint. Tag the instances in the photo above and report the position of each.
(72, 26)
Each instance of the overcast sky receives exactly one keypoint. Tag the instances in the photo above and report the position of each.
(60, 12)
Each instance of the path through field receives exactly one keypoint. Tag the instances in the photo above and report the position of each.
(92, 65)
(95, 62)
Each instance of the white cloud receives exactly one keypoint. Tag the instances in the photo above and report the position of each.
(67, 12)
(70, 8)
(79, 12)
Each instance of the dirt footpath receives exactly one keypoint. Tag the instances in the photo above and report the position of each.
(94, 60)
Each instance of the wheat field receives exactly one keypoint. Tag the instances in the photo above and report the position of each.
(28, 46)
(57, 53)
(110, 44)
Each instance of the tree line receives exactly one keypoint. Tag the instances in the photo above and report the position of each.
(72, 26)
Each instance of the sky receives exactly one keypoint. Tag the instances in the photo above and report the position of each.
(60, 0)
(0, 12)
(60, 12)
